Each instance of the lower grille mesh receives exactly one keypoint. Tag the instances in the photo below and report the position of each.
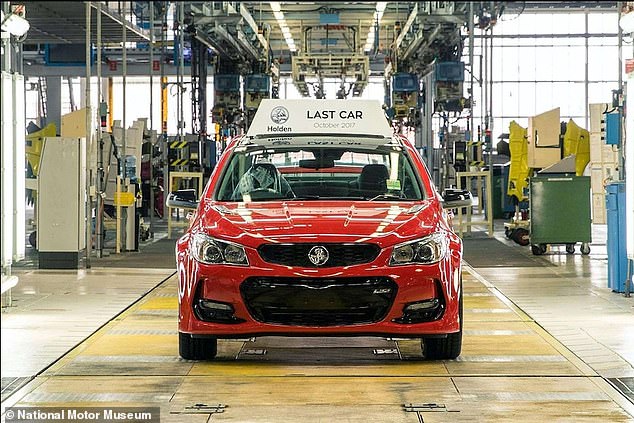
(318, 302)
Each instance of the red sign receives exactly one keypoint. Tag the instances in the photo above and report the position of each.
(112, 65)
(156, 65)
(629, 66)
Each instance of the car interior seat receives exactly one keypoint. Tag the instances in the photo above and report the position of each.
(373, 180)
(280, 184)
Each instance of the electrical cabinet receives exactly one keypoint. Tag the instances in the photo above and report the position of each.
(61, 203)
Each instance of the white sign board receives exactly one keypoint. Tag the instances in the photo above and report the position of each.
(310, 116)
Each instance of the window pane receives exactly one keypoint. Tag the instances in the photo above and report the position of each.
(603, 63)
(568, 63)
(510, 63)
(605, 22)
(601, 92)
(526, 96)
(544, 100)
(527, 63)
(505, 99)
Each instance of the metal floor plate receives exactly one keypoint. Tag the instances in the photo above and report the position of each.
(508, 363)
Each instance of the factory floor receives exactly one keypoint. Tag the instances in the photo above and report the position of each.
(544, 340)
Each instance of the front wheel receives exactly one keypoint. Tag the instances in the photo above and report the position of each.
(191, 348)
(585, 248)
(445, 348)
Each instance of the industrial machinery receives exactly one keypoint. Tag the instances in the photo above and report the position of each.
(448, 84)
(404, 99)
(256, 88)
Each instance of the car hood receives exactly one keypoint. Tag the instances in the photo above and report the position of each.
(385, 223)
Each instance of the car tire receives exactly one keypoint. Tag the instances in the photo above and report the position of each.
(191, 348)
(446, 348)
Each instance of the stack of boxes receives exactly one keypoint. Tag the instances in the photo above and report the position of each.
(603, 160)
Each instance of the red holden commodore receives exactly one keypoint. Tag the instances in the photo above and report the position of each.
(320, 222)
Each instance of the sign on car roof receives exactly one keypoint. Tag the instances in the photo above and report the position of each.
(310, 116)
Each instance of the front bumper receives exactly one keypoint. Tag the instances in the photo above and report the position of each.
(267, 299)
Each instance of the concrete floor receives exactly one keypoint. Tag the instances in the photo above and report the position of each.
(540, 344)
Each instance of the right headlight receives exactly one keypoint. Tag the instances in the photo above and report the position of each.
(209, 250)
(428, 250)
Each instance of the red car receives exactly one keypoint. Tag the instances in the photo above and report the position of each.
(318, 222)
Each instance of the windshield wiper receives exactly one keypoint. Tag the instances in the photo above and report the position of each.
(318, 197)
(387, 197)
(305, 197)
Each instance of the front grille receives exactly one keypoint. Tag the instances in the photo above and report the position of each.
(339, 254)
(319, 301)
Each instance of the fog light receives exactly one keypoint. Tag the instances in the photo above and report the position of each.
(422, 311)
(422, 306)
(214, 305)
(213, 311)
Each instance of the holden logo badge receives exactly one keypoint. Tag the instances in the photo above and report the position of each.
(318, 255)
(279, 115)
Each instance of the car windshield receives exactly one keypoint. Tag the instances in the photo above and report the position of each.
(320, 169)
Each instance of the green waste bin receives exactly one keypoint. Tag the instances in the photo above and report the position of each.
(560, 212)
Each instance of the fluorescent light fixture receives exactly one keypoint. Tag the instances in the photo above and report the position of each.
(14, 24)
(286, 32)
(376, 19)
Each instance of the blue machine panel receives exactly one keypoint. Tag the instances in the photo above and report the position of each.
(405, 82)
(257, 83)
(617, 256)
(328, 18)
(227, 83)
(612, 128)
(449, 71)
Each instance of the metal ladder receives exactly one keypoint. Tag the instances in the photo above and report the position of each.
(41, 89)
(73, 106)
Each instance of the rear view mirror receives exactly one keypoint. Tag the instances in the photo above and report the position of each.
(456, 198)
(182, 199)
(317, 164)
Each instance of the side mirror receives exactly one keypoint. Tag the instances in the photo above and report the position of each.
(456, 198)
(182, 199)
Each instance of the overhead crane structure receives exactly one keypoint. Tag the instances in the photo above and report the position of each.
(258, 43)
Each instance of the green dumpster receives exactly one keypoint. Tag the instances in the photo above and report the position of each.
(560, 212)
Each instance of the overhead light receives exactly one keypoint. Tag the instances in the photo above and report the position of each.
(14, 24)
(279, 16)
(376, 20)
(627, 22)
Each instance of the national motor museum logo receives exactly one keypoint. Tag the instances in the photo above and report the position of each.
(318, 255)
(279, 115)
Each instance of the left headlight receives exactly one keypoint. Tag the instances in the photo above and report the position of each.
(428, 250)
(209, 250)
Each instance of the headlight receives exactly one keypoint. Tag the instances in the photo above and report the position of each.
(428, 250)
(212, 251)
